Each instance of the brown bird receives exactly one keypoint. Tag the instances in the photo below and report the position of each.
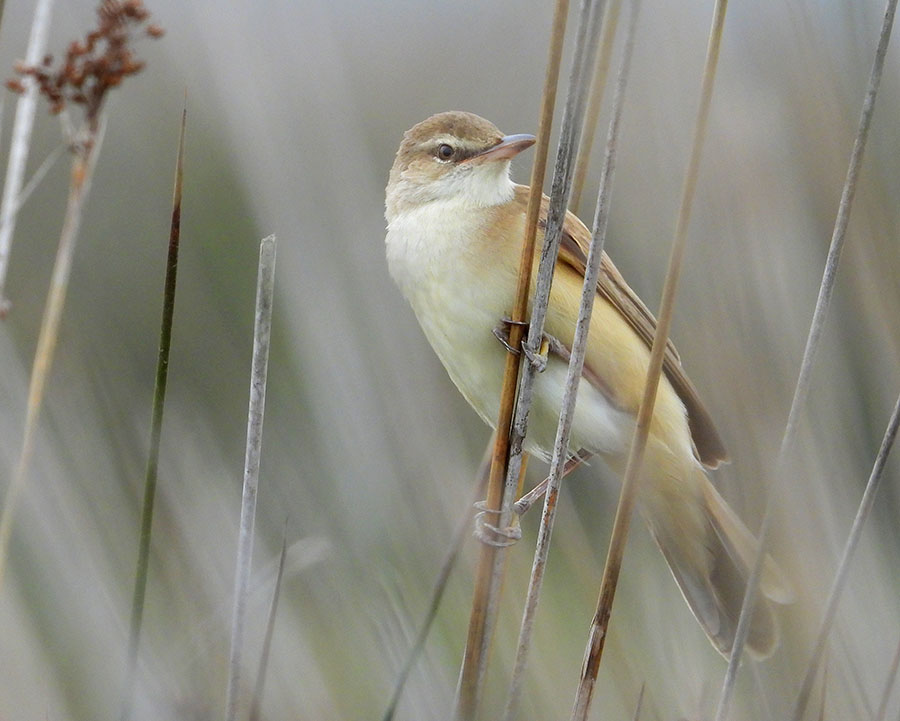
(454, 234)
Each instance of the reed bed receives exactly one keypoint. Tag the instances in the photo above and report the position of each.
(369, 451)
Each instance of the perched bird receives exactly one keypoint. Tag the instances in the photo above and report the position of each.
(455, 225)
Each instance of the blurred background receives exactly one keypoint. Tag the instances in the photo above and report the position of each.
(294, 113)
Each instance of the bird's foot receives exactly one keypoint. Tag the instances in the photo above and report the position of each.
(492, 535)
(501, 333)
(536, 357)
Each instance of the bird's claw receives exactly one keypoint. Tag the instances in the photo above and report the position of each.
(501, 333)
(538, 359)
(492, 535)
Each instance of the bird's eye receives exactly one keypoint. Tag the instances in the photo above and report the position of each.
(445, 152)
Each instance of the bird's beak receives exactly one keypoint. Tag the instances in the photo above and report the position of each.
(508, 147)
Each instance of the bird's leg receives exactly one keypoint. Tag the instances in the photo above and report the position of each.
(503, 537)
(524, 504)
(549, 344)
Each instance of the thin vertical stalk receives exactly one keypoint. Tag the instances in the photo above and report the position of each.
(801, 390)
(156, 419)
(840, 576)
(478, 637)
(824, 692)
(640, 702)
(765, 713)
(256, 703)
(570, 137)
(265, 291)
(573, 121)
(39, 175)
(600, 623)
(21, 141)
(573, 376)
(86, 152)
(881, 714)
(595, 100)
(437, 593)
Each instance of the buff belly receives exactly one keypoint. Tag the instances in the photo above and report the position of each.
(460, 331)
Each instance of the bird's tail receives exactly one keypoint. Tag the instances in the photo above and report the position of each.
(710, 552)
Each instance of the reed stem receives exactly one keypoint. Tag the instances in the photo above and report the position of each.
(840, 576)
(86, 151)
(628, 495)
(573, 377)
(801, 390)
(156, 419)
(262, 329)
(21, 141)
(486, 577)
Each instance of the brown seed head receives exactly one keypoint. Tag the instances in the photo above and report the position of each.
(93, 66)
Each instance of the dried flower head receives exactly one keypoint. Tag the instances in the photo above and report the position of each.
(92, 66)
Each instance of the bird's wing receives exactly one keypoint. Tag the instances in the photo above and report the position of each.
(611, 285)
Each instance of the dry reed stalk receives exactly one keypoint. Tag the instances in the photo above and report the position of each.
(881, 714)
(491, 571)
(595, 100)
(21, 142)
(259, 688)
(573, 377)
(486, 582)
(39, 175)
(840, 577)
(80, 177)
(760, 690)
(600, 623)
(262, 329)
(440, 584)
(801, 389)
(637, 706)
(156, 418)
(89, 70)
(824, 692)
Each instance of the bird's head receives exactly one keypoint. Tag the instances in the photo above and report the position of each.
(453, 156)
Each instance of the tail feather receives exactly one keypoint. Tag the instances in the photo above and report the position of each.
(715, 599)
(710, 553)
(742, 545)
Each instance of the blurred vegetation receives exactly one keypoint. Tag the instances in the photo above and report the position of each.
(295, 111)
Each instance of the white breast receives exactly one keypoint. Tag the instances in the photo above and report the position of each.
(429, 256)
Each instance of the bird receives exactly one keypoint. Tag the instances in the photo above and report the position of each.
(455, 228)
